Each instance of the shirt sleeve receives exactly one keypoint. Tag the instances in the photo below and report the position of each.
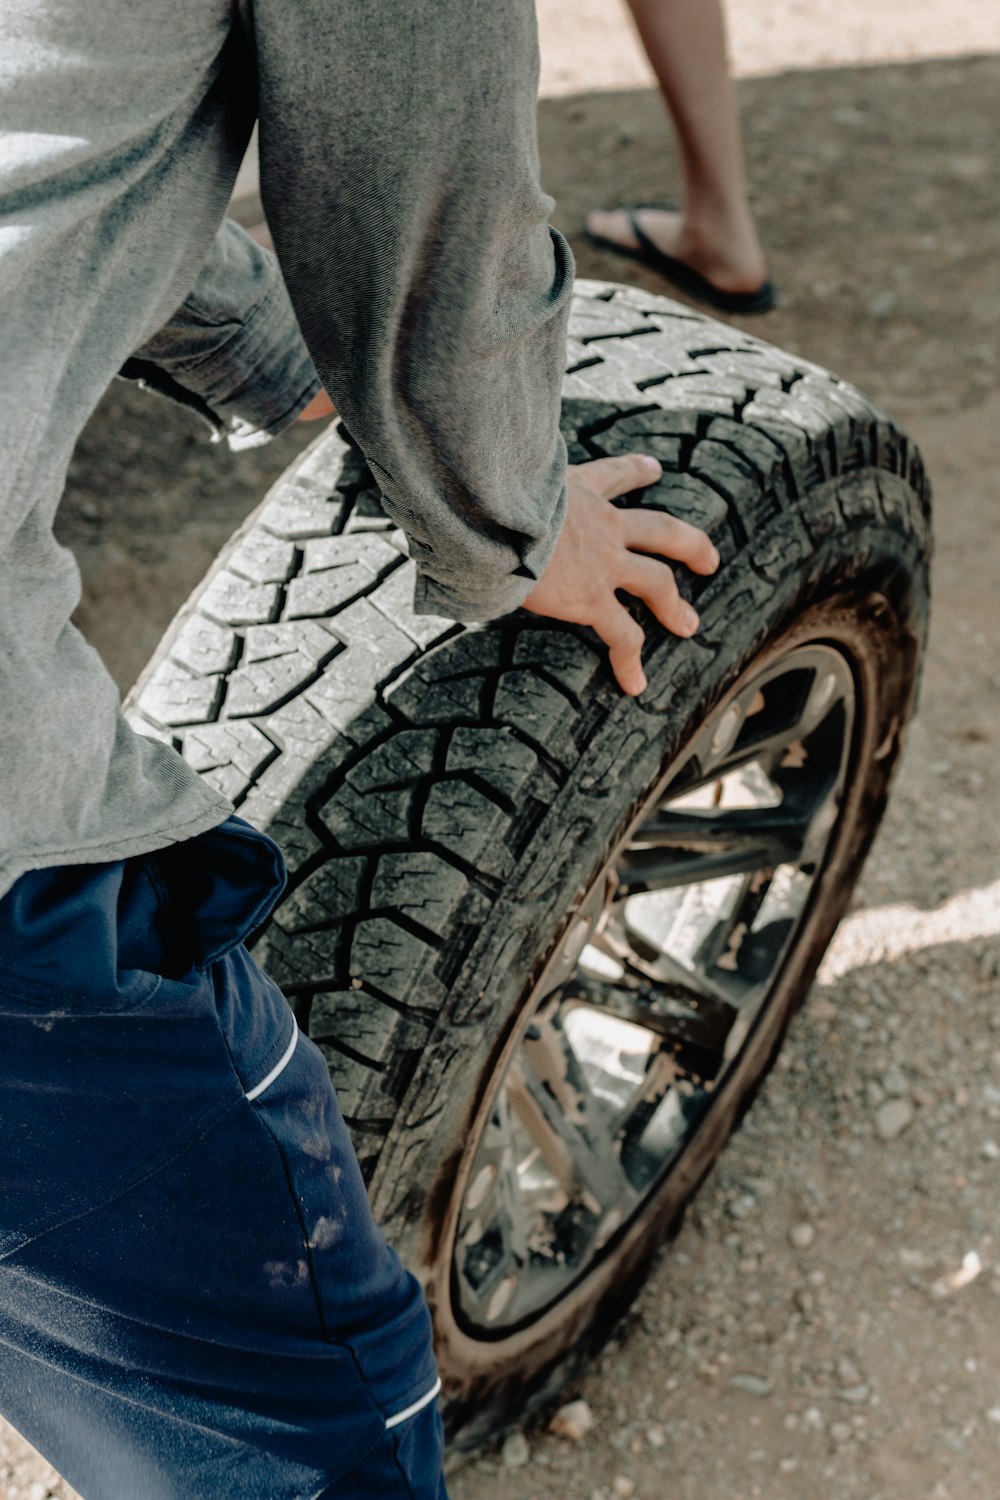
(233, 352)
(399, 173)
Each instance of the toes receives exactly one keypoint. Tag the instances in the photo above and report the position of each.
(612, 225)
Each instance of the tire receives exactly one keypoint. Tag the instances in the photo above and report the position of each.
(462, 807)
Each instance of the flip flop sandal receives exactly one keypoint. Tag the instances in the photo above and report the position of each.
(683, 276)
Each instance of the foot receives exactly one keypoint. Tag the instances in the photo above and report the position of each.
(730, 258)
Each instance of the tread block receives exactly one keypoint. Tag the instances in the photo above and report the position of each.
(172, 696)
(311, 637)
(263, 558)
(361, 624)
(438, 702)
(592, 320)
(539, 710)
(264, 685)
(692, 500)
(773, 552)
(605, 385)
(364, 1023)
(346, 689)
(295, 839)
(726, 469)
(203, 646)
(404, 759)
(323, 593)
(560, 652)
(325, 897)
(766, 455)
(420, 885)
(372, 549)
(653, 356)
(755, 369)
(236, 602)
(296, 959)
(386, 956)
(296, 512)
(218, 746)
(394, 599)
(495, 756)
(359, 820)
(301, 730)
(467, 823)
(859, 498)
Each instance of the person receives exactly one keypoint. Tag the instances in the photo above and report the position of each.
(709, 247)
(194, 1299)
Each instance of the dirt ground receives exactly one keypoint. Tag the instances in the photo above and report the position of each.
(829, 1321)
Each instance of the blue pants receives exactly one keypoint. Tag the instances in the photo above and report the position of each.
(195, 1303)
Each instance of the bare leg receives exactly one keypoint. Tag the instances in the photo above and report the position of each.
(714, 232)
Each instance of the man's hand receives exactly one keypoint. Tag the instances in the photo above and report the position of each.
(602, 548)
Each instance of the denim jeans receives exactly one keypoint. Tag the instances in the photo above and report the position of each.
(195, 1302)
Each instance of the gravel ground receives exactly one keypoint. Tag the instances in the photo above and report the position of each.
(829, 1321)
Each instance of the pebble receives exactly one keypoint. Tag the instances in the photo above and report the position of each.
(752, 1385)
(515, 1452)
(622, 1486)
(656, 1437)
(883, 303)
(841, 1432)
(802, 1235)
(743, 1206)
(893, 1118)
(895, 1082)
(855, 1395)
(990, 1151)
(573, 1421)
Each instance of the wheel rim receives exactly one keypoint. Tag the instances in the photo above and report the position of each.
(654, 990)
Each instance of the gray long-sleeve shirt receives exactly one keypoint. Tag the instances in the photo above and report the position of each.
(400, 177)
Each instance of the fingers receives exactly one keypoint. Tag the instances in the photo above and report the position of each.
(624, 639)
(655, 584)
(611, 477)
(668, 536)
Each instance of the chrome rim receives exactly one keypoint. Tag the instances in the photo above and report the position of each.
(654, 990)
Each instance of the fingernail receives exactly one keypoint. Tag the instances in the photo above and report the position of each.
(716, 559)
(691, 621)
(651, 466)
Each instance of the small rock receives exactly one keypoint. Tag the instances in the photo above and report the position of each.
(802, 1235)
(622, 1486)
(515, 1451)
(990, 1151)
(656, 1436)
(883, 303)
(752, 1385)
(895, 1082)
(742, 1207)
(788, 1465)
(855, 1395)
(573, 1421)
(993, 1415)
(893, 1118)
(841, 1432)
